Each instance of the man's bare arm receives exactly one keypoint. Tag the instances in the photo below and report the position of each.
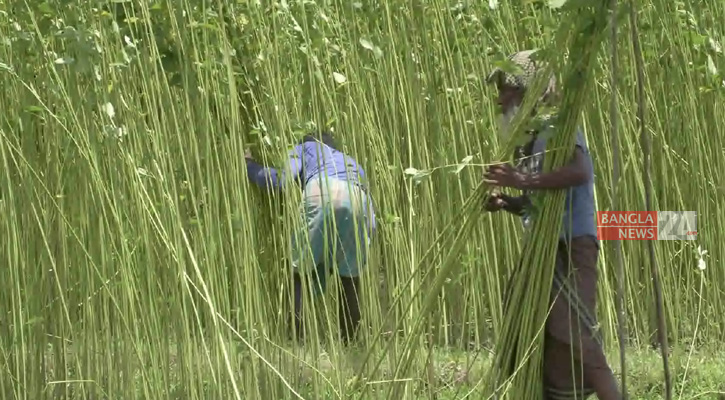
(573, 174)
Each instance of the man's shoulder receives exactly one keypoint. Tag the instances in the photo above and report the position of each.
(542, 138)
(310, 149)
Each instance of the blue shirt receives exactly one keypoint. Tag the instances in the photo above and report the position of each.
(306, 161)
(579, 217)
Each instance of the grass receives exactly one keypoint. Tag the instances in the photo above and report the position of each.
(142, 264)
(454, 374)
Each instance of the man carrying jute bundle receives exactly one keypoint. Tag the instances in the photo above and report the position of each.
(571, 323)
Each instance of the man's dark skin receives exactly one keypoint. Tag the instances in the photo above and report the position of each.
(505, 175)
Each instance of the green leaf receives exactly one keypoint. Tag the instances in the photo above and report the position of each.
(391, 219)
(34, 320)
(366, 44)
(508, 66)
(711, 67)
(34, 109)
(697, 38)
(64, 60)
(45, 9)
(416, 175)
(339, 78)
(463, 164)
(714, 45)
(109, 110)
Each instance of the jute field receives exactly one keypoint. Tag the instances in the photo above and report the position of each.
(138, 262)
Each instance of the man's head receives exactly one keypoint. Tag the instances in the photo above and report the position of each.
(512, 87)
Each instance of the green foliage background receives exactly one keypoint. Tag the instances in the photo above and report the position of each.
(141, 264)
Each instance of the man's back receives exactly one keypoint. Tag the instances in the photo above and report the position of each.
(320, 159)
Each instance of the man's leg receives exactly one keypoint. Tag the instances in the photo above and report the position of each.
(571, 373)
(349, 307)
(575, 348)
(602, 380)
(352, 246)
(563, 371)
(297, 293)
(307, 249)
(348, 270)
